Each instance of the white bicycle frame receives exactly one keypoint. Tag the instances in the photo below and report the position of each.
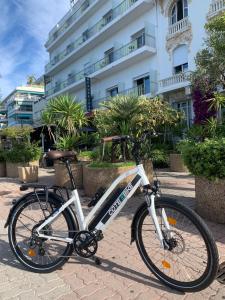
(108, 216)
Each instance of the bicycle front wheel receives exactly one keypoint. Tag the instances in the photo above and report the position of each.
(40, 254)
(190, 262)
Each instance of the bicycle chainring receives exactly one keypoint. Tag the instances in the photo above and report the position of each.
(85, 244)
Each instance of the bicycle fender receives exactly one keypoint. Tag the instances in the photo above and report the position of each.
(39, 193)
(134, 221)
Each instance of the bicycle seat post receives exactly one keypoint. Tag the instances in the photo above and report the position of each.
(72, 180)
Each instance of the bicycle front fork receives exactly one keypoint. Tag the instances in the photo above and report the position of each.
(150, 199)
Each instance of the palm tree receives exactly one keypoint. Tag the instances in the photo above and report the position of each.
(31, 79)
(216, 104)
(48, 121)
(67, 114)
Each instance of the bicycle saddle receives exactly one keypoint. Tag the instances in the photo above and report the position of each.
(55, 154)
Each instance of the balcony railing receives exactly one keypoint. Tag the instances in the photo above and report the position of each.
(175, 79)
(65, 23)
(216, 7)
(180, 26)
(117, 11)
(136, 91)
(107, 60)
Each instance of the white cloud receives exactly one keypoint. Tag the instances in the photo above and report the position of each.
(35, 18)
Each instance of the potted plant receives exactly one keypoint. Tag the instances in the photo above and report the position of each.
(68, 143)
(176, 162)
(21, 161)
(2, 163)
(68, 116)
(123, 115)
(206, 160)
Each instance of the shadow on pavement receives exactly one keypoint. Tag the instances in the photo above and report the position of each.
(7, 257)
(110, 266)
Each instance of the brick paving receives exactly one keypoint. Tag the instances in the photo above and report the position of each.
(122, 274)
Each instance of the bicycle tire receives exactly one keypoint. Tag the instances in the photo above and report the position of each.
(29, 264)
(212, 252)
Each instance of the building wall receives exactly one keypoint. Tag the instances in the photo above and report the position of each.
(19, 105)
(157, 62)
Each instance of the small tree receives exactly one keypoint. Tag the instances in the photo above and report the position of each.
(132, 115)
(210, 73)
(67, 115)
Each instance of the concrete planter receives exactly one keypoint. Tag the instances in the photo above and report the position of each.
(12, 168)
(210, 198)
(62, 178)
(177, 164)
(2, 169)
(94, 178)
(28, 174)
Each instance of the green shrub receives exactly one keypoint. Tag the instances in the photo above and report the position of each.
(86, 154)
(159, 158)
(68, 142)
(97, 164)
(205, 159)
(23, 152)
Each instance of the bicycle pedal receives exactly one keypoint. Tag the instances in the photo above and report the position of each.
(97, 261)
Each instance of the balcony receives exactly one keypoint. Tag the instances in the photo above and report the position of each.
(136, 91)
(178, 27)
(118, 59)
(216, 7)
(69, 21)
(121, 15)
(20, 122)
(174, 82)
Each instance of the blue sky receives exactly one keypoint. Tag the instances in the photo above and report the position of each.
(24, 27)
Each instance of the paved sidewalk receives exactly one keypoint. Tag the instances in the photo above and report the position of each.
(122, 274)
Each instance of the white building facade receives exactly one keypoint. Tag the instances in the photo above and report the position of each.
(127, 46)
(18, 105)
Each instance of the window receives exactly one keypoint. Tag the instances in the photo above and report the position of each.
(139, 37)
(70, 78)
(57, 86)
(109, 56)
(69, 48)
(180, 59)
(179, 11)
(85, 35)
(108, 17)
(85, 5)
(112, 91)
(181, 68)
(143, 85)
(184, 107)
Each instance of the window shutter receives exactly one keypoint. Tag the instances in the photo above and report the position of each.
(180, 55)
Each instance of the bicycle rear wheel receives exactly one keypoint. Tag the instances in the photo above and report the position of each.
(39, 254)
(191, 262)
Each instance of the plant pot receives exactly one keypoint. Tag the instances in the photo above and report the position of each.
(210, 197)
(2, 169)
(28, 174)
(62, 177)
(12, 168)
(177, 164)
(94, 178)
